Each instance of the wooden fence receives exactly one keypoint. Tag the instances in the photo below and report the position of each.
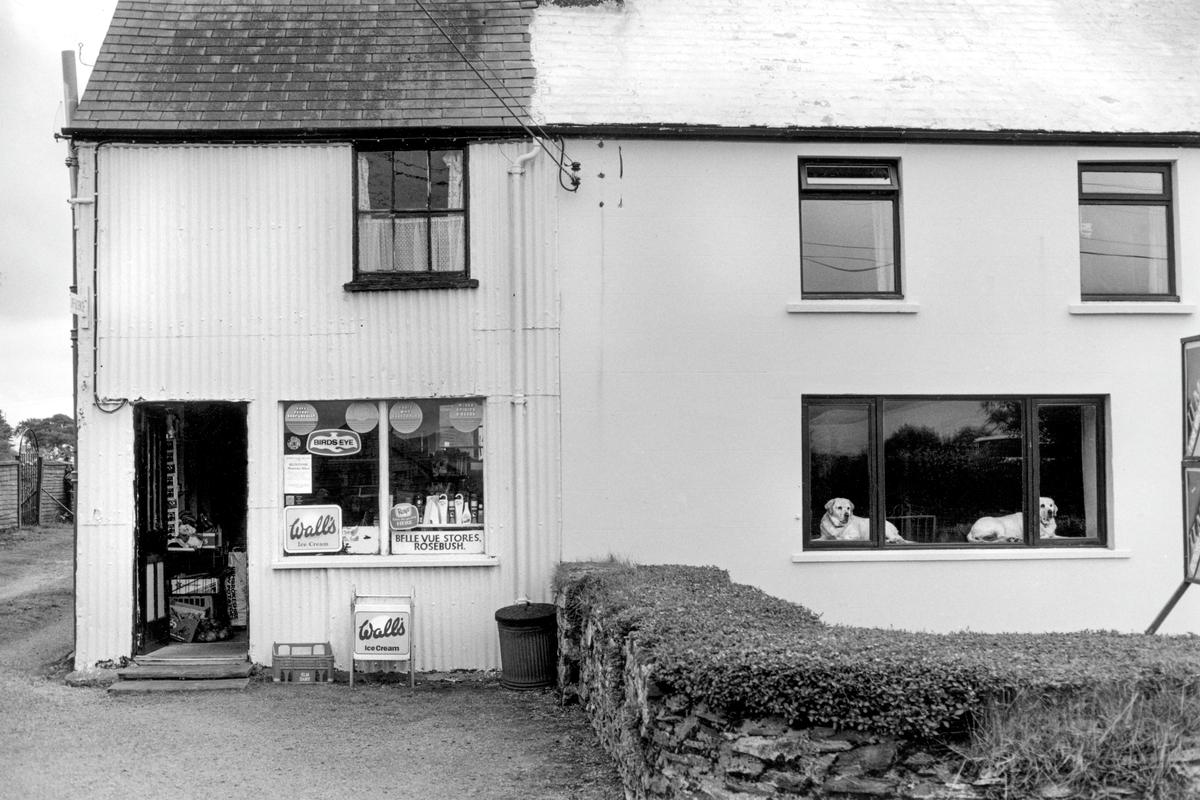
(56, 502)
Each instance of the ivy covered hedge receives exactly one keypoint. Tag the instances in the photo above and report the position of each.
(738, 649)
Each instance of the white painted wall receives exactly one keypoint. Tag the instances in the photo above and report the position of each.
(683, 372)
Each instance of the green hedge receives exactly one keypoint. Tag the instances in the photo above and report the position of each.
(738, 649)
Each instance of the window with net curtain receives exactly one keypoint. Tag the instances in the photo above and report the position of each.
(411, 213)
(1125, 239)
(849, 228)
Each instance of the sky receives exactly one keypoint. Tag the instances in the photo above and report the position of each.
(35, 220)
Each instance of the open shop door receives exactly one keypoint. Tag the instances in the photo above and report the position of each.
(190, 473)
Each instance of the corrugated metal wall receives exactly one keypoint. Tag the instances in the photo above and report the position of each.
(221, 271)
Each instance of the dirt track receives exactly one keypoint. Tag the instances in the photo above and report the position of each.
(453, 737)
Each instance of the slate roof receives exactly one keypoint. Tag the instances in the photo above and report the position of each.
(1094, 66)
(290, 65)
(893, 67)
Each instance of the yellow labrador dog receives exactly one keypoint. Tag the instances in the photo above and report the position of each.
(839, 523)
(1011, 527)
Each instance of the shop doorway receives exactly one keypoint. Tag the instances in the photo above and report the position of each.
(190, 490)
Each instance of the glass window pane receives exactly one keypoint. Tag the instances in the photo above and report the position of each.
(375, 181)
(1123, 249)
(1068, 468)
(848, 246)
(950, 463)
(446, 179)
(411, 180)
(350, 481)
(448, 246)
(436, 450)
(410, 251)
(374, 244)
(1096, 182)
(848, 175)
(839, 470)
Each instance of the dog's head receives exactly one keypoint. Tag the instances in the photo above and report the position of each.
(839, 509)
(1047, 510)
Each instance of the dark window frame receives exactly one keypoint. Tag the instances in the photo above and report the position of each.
(366, 281)
(1030, 470)
(891, 193)
(1165, 199)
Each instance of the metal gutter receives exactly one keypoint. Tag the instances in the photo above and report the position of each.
(652, 131)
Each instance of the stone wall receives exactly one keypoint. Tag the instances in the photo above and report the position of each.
(666, 746)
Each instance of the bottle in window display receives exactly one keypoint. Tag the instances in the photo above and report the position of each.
(477, 513)
(451, 514)
(419, 502)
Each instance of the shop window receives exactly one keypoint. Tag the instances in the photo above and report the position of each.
(380, 477)
(849, 228)
(411, 220)
(1125, 232)
(949, 472)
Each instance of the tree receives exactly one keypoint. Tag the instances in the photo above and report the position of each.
(6, 434)
(56, 436)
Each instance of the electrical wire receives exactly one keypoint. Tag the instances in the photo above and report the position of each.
(818, 262)
(560, 158)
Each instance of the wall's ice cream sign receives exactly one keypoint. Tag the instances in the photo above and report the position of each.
(334, 442)
(382, 631)
(312, 529)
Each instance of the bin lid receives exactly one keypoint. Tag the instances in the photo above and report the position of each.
(527, 612)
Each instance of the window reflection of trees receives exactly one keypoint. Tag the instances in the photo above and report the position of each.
(948, 462)
(957, 477)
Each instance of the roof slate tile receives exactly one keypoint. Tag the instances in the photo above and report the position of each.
(276, 64)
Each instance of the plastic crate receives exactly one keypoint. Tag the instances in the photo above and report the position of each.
(302, 662)
(195, 584)
(203, 603)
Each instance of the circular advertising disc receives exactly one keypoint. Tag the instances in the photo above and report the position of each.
(300, 418)
(405, 416)
(362, 417)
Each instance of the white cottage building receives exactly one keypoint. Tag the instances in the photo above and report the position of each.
(429, 296)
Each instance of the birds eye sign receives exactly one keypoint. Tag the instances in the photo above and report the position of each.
(334, 442)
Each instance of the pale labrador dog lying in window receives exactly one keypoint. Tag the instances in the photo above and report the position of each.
(1011, 527)
(840, 524)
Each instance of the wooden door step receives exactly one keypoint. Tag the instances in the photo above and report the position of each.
(196, 653)
(178, 671)
(160, 686)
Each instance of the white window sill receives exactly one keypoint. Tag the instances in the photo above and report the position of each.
(852, 307)
(960, 554)
(1114, 307)
(384, 562)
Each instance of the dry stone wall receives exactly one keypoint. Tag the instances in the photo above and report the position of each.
(666, 746)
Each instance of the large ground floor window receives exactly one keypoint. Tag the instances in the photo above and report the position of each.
(898, 471)
(381, 477)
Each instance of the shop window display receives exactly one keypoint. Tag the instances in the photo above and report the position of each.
(971, 472)
(384, 477)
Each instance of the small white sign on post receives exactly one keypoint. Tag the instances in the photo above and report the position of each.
(382, 630)
(79, 307)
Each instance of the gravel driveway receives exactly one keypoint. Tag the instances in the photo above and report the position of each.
(455, 736)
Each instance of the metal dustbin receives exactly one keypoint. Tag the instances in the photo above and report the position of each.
(528, 645)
